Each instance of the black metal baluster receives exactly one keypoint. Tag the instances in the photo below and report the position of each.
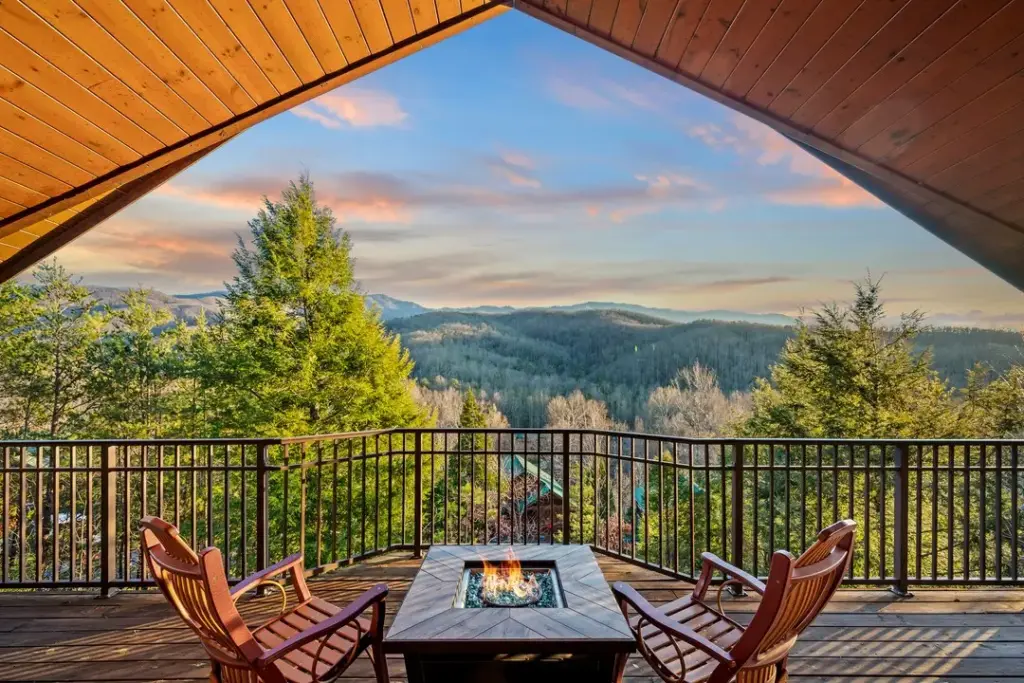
(999, 512)
(867, 512)
(967, 512)
(6, 493)
(22, 514)
(88, 514)
(319, 502)
(303, 476)
(935, 512)
(194, 495)
(177, 485)
(1014, 544)
(209, 495)
(351, 512)
(286, 508)
(55, 549)
(227, 509)
(334, 502)
(950, 494)
(40, 507)
(693, 517)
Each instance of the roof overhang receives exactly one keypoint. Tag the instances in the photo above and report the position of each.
(921, 102)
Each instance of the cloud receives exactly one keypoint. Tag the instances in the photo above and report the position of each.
(160, 253)
(353, 107)
(514, 168)
(579, 90)
(810, 181)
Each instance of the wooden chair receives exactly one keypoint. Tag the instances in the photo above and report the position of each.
(689, 641)
(309, 642)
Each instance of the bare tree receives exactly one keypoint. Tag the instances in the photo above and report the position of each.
(576, 411)
(694, 405)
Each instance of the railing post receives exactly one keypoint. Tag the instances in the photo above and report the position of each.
(108, 521)
(737, 512)
(417, 514)
(566, 496)
(901, 544)
(262, 523)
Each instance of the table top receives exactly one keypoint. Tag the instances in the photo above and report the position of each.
(428, 622)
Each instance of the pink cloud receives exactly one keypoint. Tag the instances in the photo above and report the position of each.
(520, 159)
(353, 107)
(577, 95)
(815, 184)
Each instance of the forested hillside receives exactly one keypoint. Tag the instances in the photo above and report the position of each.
(529, 356)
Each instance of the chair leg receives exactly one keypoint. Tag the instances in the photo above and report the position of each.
(380, 662)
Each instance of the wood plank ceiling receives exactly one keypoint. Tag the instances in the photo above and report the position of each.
(919, 101)
(101, 96)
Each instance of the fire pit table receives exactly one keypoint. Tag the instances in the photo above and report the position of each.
(454, 625)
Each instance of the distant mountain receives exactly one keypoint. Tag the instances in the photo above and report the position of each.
(182, 306)
(527, 356)
(394, 309)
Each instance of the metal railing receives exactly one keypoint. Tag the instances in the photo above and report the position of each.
(928, 512)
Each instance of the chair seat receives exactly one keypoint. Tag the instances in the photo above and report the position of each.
(297, 666)
(699, 617)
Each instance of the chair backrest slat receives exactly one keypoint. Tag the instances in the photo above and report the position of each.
(197, 587)
(797, 590)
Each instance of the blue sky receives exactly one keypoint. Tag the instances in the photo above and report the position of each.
(514, 164)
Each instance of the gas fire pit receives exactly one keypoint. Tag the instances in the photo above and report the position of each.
(509, 583)
(488, 614)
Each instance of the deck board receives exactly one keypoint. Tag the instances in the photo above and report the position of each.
(938, 635)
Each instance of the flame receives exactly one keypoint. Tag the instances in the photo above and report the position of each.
(508, 577)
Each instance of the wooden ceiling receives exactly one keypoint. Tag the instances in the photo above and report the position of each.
(919, 101)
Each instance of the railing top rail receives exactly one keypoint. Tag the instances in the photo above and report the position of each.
(339, 436)
(31, 443)
(711, 440)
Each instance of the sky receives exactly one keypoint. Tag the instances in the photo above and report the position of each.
(514, 164)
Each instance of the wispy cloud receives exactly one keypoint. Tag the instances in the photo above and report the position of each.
(580, 90)
(810, 182)
(353, 107)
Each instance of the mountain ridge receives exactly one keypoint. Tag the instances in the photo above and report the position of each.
(187, 306)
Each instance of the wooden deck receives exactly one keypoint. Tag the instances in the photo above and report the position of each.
(863, 636)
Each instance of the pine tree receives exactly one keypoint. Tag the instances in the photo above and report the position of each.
(301, 351)
(848, 375)
(133, 381)
(472, 416)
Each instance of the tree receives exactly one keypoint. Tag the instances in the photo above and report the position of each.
(576, 411)
(302, 352)
(20, 401)
(472, 417)
(53, 328)
(132, 384)
(848, 375)
(694, 405)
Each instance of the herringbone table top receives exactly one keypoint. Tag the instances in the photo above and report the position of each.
(429, 623)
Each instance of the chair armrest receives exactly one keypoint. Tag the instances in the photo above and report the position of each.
(370, 598)
(292, 563)
(711, 562)
(625, 593)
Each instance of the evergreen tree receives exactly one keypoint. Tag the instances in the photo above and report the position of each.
(848, 375)
(301, 351)
(54, 329)
(472, 416)
(133, 382)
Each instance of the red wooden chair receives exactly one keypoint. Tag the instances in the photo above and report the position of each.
(689, 641)
(309, 642)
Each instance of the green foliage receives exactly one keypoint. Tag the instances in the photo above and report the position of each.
(847, 375)
(527, 357)
(295, 350)
(303, 354)
(472, 416)
(47, 366)
(133, 378)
